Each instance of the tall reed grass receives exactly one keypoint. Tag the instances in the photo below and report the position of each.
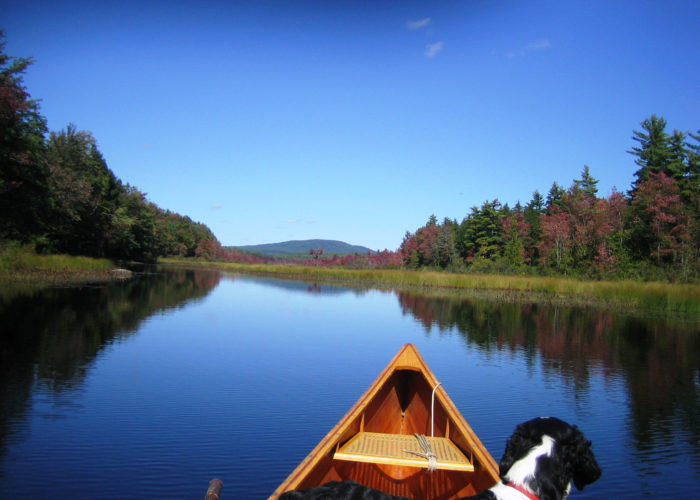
(16, 257)
(682, 300)
(20, 263)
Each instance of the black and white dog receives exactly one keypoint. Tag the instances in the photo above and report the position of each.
(542, 458)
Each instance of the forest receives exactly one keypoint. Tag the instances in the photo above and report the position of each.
(650, 232)
(58, 195)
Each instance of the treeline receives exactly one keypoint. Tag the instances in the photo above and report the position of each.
(651, 232)
(57, 192)
(385, 259)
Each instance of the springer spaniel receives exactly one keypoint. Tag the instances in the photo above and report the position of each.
(542, 457)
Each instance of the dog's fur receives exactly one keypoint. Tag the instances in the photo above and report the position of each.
(544, 456)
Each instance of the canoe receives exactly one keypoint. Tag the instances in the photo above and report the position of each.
(377, 443)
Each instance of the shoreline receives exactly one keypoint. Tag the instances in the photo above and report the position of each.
(64, 276)
(677, 301)
(681, 301)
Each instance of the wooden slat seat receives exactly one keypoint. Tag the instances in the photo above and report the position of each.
(390, 449)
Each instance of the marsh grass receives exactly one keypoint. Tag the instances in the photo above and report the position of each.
(20, 263)
(680, 300)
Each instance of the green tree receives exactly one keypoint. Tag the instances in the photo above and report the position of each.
(587, 184)
(653, 153)
(133, 227)
(84, 193)
(554, 196)
(676, 157)
(445, 252)
(482, 231)
(516, 232)
(532, 215)
(690, 183)
(23, 173)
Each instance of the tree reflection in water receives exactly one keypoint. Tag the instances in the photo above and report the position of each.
(658, 359)
(48, 339)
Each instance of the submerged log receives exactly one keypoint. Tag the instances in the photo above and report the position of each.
(214, 489)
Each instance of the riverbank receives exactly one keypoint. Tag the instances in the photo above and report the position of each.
(21, 265)
(679, 300)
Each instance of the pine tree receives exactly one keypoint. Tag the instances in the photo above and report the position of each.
(587, 184)
(690, 183)
(533, 211)
(654, 152)
(556, 193)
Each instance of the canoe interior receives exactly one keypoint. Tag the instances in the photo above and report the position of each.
(402, 405)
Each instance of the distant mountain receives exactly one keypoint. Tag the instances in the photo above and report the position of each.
(301, 247)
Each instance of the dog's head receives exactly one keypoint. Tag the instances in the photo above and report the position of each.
(547, 454)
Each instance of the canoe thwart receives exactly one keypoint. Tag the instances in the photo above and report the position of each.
(399, 449)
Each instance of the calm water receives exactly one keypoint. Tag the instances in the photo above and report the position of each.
(150, 388)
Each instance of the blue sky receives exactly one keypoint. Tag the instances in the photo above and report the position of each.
(271, 121)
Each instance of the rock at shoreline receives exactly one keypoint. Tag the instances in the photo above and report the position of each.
(122, 274)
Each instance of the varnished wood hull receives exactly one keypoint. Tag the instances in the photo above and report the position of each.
(399, 402)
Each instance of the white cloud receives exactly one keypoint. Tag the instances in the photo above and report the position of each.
(538, 45)
(216, 207)
(433, 49)
(542, 44)
(416, 25)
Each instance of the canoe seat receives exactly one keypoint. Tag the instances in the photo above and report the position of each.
(374, 447)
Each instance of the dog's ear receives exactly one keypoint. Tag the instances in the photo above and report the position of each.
(585, 468)
(519, 444)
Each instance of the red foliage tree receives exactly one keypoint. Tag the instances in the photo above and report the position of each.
(556, 234)
(669, 228)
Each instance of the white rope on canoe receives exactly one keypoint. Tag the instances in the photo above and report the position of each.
(428, 452)
(432, 410)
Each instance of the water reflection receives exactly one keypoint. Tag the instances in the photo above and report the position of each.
(310, 287)
(51, 336)
(658, 359)
(200, 390)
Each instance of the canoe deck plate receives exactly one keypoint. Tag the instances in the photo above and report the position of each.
(373, 447)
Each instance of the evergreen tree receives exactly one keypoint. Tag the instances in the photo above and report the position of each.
(482, 231)
(689, 184)
(587, 184)
(532, 215)
(535, 205)
(516, 231)
(678, 155)
(556, 193)
(653, 153)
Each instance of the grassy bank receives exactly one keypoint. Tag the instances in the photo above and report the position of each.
(665, 298)
(20, 264)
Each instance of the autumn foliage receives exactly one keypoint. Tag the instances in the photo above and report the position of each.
(57, 193)
(651, 233)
